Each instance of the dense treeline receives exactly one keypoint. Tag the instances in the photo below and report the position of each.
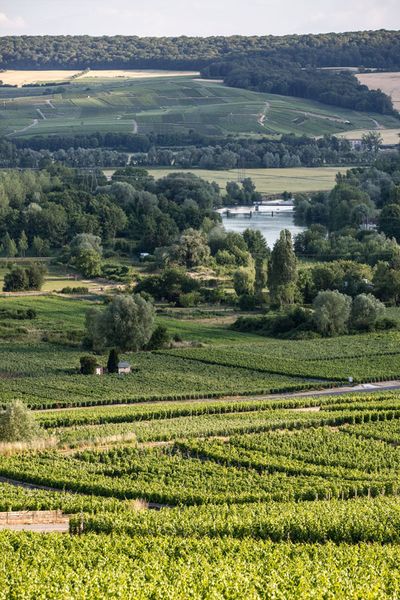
(50, 208)
(289, 151)
(359, 220)
(361, 197)
(380, 49)
(277, 76)
(204, 152)
(123, 142)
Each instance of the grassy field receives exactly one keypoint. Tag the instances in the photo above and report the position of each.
(167, 104)
(269, 181)
(57, 277)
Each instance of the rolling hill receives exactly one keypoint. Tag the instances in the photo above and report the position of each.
(169, 104)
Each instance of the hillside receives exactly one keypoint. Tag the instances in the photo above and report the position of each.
(169, 104)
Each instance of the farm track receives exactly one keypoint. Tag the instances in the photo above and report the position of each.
(366, 388)
(38, 527)
(33, 124)
(263, 115)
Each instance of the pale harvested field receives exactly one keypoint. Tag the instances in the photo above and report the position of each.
(389, 136)
(387, 82)
(130, 74)
(267, 181)
(20, 78)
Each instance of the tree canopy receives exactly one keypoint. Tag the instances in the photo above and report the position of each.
(127, 323)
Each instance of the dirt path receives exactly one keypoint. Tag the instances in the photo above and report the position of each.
(33, 124)
(377, 124)
(323, 117)
(263, 115)
(38, 527)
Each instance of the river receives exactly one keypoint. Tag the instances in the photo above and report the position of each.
(270, 226)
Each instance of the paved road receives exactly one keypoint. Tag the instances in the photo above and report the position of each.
(366, 388)
(38, 527)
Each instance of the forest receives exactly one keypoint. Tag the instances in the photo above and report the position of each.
(288, 78)
(375, 49)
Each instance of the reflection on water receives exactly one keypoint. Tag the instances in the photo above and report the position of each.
(270, 226)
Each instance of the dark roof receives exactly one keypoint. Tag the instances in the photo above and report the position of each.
(123, 365)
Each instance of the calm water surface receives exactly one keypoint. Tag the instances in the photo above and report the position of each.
(270, 226)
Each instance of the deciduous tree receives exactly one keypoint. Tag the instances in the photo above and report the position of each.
(282, 270)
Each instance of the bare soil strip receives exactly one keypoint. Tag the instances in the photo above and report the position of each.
(20, 78)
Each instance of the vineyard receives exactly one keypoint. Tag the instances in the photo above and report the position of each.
(39, 363)
(294, 495)
(188, 478)
(169, 105)
(253, 492)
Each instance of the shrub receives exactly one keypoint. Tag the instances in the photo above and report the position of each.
(16, 280)
(189, 299)
(75, 290)
(281, 324)
(20, 279)
(88, 365)
(17, 423)
(159, 339)
(247, 302)
(386, 323)
(116, 272)
(366, 311)
(332, 313)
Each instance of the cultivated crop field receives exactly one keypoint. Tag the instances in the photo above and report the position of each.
(168, 104)
(269, 181)
(389, 136)
(20, 78)
(389, 83)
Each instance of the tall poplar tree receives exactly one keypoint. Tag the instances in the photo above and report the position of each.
(282, 271)
(9, 246)
(23, 244)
